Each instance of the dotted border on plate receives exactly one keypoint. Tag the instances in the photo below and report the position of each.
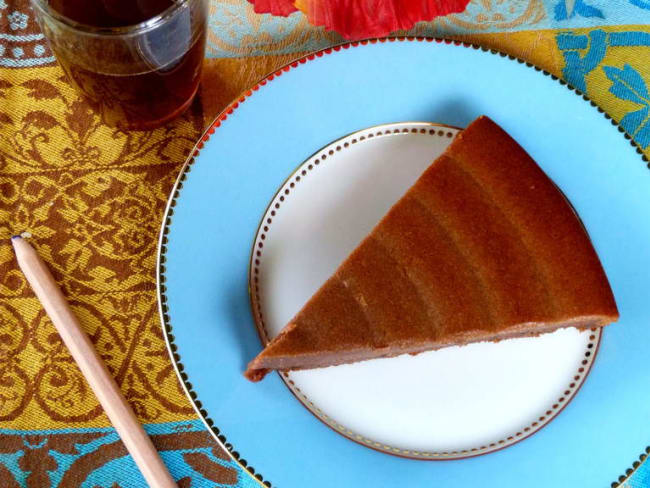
(221, 118)
(305, 169)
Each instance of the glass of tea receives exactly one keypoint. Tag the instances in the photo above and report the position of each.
(137, 61)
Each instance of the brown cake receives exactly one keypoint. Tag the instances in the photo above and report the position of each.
(482, 247)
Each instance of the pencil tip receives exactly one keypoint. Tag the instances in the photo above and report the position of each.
(22, 235)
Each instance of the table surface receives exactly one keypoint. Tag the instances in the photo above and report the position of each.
(93, 199)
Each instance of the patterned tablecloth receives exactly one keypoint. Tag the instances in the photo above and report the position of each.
(93, 197)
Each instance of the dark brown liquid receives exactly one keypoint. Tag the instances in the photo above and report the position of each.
(139, 83)
(110, 13)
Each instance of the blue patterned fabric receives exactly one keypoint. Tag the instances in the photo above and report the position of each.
(63, 457)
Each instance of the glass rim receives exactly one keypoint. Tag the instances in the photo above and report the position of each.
(44, 8)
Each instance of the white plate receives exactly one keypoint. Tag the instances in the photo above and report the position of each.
(452, 403)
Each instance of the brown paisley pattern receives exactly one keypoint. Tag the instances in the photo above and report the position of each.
(13, 379)
(92, 197)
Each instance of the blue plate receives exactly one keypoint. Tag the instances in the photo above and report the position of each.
(223, 191)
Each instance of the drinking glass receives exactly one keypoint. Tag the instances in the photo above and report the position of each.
(137, 76)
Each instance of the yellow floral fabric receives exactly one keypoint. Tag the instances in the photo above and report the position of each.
(92, 198)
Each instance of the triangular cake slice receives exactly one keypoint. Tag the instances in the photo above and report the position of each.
(482, 247)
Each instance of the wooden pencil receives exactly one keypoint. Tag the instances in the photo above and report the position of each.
(92, 367)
